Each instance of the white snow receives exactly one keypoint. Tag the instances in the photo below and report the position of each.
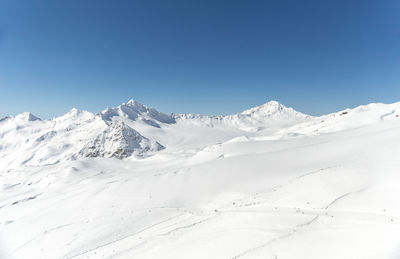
(137, 111)
(120, 141)
(269, 182)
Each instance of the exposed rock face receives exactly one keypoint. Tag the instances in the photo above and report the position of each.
(120, 141)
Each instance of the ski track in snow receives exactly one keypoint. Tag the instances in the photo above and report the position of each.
(297, 227)
(122, 238)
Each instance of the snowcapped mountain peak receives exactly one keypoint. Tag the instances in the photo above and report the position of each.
(73, 111)
(132, 102)
(26, 116)
(267, 108)
(273, 110)
(273, 103)
(135, 105)
(134, 110)
(75, 114)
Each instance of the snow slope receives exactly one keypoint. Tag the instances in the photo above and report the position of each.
(265, 183)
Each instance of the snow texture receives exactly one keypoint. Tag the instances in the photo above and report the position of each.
(269, 182)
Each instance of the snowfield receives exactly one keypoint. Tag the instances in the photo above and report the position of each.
(270, 182)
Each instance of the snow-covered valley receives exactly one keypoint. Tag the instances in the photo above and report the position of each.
(270, 182)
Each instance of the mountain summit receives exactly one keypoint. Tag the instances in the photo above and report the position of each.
(26, 116)
(134, 110)
(273, 110)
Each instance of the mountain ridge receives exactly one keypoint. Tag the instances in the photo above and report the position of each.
(28, 140)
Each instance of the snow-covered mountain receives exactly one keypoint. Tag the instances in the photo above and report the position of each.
(130, 128)
(135, 129)
(120, 141)
(269, 182)
(26, 116)
(136, 111)
(29, 141)
(267, 115)
(26, 140)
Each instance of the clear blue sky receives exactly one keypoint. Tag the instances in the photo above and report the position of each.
(198, 56)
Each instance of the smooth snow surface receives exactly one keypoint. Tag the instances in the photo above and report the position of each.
(270, 182)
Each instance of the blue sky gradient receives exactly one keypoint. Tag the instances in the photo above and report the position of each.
(197, 56)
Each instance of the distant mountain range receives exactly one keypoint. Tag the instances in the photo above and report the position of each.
(135, 129)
